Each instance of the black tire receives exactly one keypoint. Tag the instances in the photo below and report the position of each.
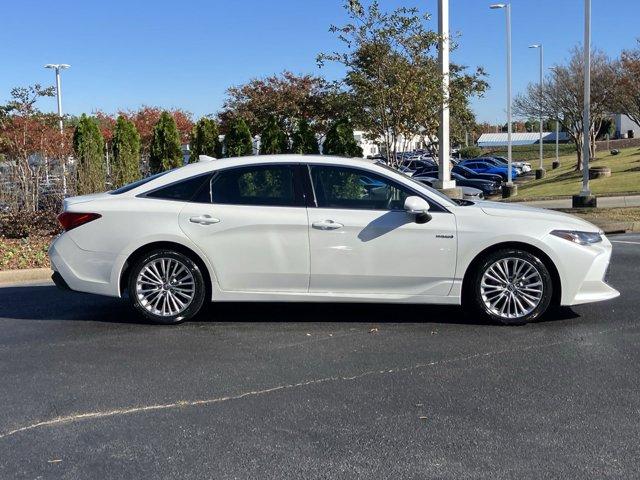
(143, 302)
(480, 301)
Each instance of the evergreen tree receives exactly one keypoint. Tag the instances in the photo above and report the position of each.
(304, 140)
(125, 166)
(238, 141)
(165, 145)
(204, 140)
(273, 140)
(340, 140)
(88, 145)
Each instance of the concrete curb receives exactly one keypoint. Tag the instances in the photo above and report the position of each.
(25, 275)
(618, 227)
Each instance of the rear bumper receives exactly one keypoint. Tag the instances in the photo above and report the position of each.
(81, 270)
(59, 281)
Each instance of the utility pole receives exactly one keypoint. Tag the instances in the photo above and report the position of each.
(585, 199)
(510, 189)
(540, 171)
(57, 67)
(444, 148)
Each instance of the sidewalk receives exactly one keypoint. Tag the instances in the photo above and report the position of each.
(603, 202)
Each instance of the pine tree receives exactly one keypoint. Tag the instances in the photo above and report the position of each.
(204, 140)
(125, 166)
(304, 140)
(238, 140)
(340, 140)
(273, 140)
(165, 145)
(88, 146)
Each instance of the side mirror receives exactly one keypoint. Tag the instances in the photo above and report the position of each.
(418, 207)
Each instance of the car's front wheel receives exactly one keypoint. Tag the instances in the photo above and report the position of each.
(511, 286)
(166, 287)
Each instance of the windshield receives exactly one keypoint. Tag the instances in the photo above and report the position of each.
(440, 195)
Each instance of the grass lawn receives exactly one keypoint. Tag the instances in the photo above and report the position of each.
(565, 181)
(606, 215)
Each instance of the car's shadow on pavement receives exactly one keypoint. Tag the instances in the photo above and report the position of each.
(46, 302)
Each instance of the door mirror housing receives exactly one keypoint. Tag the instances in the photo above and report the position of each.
(418, 207)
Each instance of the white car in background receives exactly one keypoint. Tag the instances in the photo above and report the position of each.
(321, 229)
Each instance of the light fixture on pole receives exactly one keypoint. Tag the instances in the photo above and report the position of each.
(57, 67)
(540, 171)
(585, 199)
(510, 188)
(444, 174)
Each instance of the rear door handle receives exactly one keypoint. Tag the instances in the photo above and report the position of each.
(204, 220)
(327, 225)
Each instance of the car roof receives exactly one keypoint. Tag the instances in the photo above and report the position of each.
(206, 166)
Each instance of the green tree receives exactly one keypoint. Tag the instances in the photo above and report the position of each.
(238, 140)
(393, 75)
(304, 140)
(204, 140)
(273, 140)
(340, 140)
(88, 146)
(165, 145)
(125, 166)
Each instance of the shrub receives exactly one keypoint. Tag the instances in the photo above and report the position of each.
(470, 152)
(25, 224)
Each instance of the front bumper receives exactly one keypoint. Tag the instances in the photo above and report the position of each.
(582, 272)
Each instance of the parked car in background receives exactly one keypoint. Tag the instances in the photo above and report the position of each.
(525, 167)
(306, 228)
(498, 163)
(416, 164)
(481, 166)
(469, 193)
(470, 174)
(488, 187)
(463, 172)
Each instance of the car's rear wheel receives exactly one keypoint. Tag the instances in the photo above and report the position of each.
(511, 286)
(166, 287)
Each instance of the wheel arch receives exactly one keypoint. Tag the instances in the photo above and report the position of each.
(169, 245)
(553, 270)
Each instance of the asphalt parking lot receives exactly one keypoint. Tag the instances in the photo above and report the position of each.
(319, 391)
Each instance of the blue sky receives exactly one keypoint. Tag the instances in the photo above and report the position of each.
(185, 54)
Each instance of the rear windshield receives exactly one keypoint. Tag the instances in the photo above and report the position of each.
(136, 184)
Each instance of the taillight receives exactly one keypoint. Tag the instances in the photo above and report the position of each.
(70, 220)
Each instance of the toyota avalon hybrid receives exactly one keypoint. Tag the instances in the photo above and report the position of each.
(321, 229)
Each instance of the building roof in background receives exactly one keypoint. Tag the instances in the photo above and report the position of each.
(528, 138)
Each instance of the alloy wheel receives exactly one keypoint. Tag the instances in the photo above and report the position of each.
(165, 287)
(511, 288)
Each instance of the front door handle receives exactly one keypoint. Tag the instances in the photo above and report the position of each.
(204, 220)
(327, 225)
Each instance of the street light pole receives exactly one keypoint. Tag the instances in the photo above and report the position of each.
(444, 147)
(540, 171)
(509, 189)
(57, 67)
(585, 199)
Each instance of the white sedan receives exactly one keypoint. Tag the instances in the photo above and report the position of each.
(321, 229)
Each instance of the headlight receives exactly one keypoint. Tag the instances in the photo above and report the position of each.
(581, 238)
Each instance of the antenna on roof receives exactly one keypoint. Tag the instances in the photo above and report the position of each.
(205, 158)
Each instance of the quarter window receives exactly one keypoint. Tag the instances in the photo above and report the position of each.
(349, 188)
(268, 185)
(184, 190)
